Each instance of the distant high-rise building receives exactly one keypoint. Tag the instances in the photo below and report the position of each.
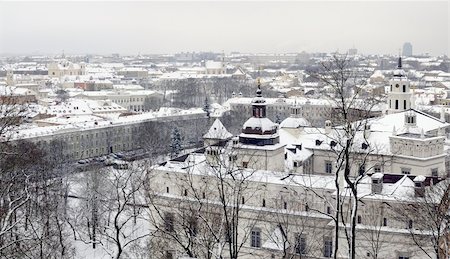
(352, 51)
(407, 49)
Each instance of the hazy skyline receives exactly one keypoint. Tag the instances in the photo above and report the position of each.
(170, 27)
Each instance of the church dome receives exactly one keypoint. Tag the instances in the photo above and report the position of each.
(258, 99)
(259, 126)
(399, 73)
(259, 130)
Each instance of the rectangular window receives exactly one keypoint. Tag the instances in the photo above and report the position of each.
(361, 169)
(403, 257)
(377, 168)
(328, 167)
(256, 238)
(327, 247)
(300, 244)
(193, 226)
(168, 222)
(434, 172)
(384, 222)
(244, 164)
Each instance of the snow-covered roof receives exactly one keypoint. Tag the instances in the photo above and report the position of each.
(419, 178)
(397, 120)
(217, 131)
(263, 124)
(83, 122)
(213, 64)
(292, 122)
(128, 87)
(83, 107)
(401, 190)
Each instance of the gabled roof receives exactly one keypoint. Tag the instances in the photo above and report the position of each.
(397, 120)
(217, 131)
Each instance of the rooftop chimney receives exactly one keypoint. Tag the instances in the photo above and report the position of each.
(419, 186)
(327, 127)
(377, 183)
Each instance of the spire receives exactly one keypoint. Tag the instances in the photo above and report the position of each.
(399, 65)
(258, 91)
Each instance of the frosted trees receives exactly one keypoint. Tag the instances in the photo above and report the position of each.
(206, 107)
(114, 214)
(175, 143)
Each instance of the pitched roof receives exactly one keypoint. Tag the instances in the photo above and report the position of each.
(217, 131)
(424, 121)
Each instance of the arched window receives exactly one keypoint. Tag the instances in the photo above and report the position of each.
(404, 104)
(396, 104)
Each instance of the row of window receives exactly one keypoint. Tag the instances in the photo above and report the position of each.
(376, 169)
(397, 86)
(301, 245)
(263, 203)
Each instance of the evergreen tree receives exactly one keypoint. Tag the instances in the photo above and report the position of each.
(206, 107)
(278, 119)
(175, 145)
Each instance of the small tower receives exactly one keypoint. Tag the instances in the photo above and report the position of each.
(215, 140)
(399, 97)
(259, 145)
(9, 77)
(295, 123)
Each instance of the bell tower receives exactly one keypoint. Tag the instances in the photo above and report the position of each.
(399, 97)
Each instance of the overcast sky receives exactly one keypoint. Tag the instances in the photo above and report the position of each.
(169, 27)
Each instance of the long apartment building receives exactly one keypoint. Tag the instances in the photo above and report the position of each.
(85, 136)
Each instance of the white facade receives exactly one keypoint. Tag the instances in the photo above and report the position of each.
(399, 97)
(63, 68)
(290, 204)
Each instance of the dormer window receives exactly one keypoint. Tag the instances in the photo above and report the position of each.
(364, 146)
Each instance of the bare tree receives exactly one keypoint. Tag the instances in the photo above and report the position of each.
(110, 210)
(373, 217)
(428, 219)
(213, 200)
(295, 234)
(351, 149)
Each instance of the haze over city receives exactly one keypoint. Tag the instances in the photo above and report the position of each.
(276, 27)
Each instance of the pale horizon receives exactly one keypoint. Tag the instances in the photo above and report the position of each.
(130, 28)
